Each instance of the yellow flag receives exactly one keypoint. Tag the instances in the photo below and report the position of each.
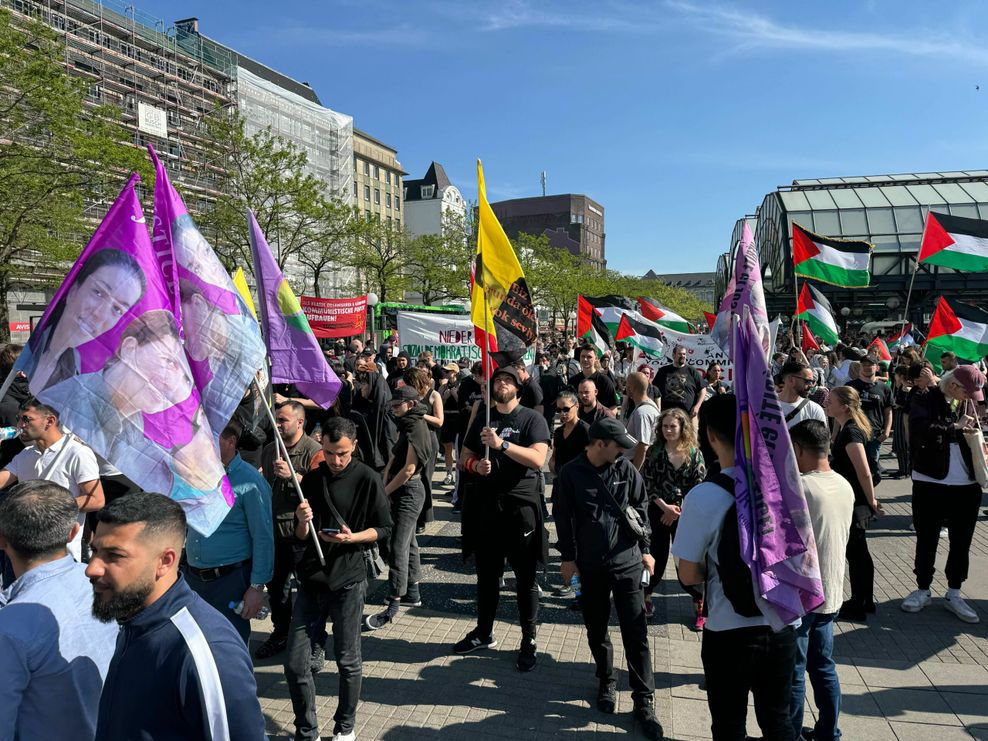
(496, 267)
(240, 281)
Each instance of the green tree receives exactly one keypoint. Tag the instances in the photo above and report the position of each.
(335, 234)
(438, 265)
(379, 259)
(56, 157)
(267, 174)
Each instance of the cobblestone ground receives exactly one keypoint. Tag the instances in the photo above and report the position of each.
(905, 677)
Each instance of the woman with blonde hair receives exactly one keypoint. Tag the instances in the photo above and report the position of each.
(673, 466)
(851, 462)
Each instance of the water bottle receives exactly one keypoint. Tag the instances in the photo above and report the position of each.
(575, 583)
(238, 607)
(317, 432)
(8, 433)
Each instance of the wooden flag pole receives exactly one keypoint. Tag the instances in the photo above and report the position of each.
(485, 358)
(794, 331)
(291, 468)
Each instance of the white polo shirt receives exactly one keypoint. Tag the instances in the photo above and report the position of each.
(75, 466)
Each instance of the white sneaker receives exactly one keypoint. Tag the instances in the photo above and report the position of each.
(944, 532)
(961, 609)
(351, 736)
(917, 601)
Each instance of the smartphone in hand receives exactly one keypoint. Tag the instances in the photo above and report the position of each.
(330, 530)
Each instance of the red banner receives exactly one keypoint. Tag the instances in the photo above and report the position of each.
(335, 317)
(20, 326)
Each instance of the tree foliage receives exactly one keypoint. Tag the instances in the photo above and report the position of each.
(57, 157)
(438, 265)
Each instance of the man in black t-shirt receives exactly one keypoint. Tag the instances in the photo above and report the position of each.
(530, 395)
(606, 392)
(502, 517)
(680, 386)
(876, 403)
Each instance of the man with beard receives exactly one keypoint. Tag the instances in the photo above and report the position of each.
(590, 370)
(166, 678)
(590, 408)
(502, 516)
(410, 456)
(680, 386)
(797, 382)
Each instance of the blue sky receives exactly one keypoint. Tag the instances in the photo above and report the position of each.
(677, 115)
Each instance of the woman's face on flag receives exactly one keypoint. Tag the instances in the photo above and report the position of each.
(159, 375)
(98, 302)
(205, 328)
(198, 257)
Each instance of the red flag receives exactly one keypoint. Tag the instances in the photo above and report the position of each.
(883, 352)
(711, 318)
(809, 341)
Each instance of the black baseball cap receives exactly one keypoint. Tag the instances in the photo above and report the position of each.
(403, 394)
(608, 428)
(508, 370)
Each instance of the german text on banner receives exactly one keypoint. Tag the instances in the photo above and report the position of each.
(776, 535)
(108, 356)
(448, 337)
(292, 348)
(335, 317)
(222, 339)
(500, 303)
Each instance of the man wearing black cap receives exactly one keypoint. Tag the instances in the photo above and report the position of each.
(876, 403)
(595, 494)
(502, 518)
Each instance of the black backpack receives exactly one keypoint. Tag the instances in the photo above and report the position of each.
(735, 576)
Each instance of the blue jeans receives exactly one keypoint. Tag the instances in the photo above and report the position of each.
(814, 654)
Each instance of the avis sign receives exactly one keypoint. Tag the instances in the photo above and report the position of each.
(447, 336)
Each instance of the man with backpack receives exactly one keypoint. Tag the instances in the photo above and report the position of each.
(740, 651)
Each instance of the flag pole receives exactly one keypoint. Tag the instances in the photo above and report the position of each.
(487, 371)
(794, 328)
(903, 319)
(284, 451)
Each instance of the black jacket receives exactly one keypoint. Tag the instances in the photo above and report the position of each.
(591, 527)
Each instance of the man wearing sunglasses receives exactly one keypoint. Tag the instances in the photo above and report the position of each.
(797, 382)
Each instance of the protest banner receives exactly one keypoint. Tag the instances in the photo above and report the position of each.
(447, 336)
(330, 318)
(701, 351)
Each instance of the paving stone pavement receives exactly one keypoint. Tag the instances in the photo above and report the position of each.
(904, 677)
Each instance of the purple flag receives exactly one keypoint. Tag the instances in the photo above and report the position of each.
(108, 356)
(776, 535)
(743, 289)
(292, 348)
(222, 340)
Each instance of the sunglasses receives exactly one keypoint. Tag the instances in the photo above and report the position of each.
(565, 409)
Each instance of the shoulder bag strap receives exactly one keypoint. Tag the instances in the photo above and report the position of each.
(332, 507)
(797, 409)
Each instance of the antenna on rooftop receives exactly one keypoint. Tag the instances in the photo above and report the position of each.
(542, 178)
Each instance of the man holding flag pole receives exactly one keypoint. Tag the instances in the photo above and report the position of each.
(502, 518)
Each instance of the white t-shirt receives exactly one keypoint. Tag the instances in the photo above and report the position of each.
(642, 424)
(830, 500)
(810, 410)
(697, 538)
(75, 466)
(957, 474)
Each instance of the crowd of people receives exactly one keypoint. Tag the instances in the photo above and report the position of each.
(108, 596)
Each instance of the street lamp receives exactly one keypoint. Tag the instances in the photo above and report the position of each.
(371, 303)
(845, 311)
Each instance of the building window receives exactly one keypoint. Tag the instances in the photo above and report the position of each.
(428, 191)
(367, 213)
(397, 204)
(377, 196)
(366, 192)
(367, 169)
(387, 200)
(387, 177)
(354, 164)
(355, 189)
(377, 172)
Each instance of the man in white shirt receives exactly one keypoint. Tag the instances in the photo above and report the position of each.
(55, 457)
(642, 422)
(830, 500)
(797, 382)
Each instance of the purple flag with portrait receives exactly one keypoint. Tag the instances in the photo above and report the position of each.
(292, 347)
(774, 525)
(108, 356)
(744, 288)
(222, 340)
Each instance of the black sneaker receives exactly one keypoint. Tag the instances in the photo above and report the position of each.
(386, 617)
(273, 646)
(411, 601)
(318, 658)
(473, 642)
(852, 611)
(564, 590)
(645, 717)
(527, 655)
(607, 696)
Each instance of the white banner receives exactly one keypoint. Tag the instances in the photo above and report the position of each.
(447, 336)
(701, 351)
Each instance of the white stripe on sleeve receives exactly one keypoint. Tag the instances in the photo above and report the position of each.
(209, 676)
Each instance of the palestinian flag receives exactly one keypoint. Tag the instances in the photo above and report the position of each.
(880, 348)
(661, 315)
(711, 318)
(902, 337)
(815, 310)
(644, 335)
(809, 341)
(836, 261)
(960, 328)
(955, 242)
(611, 308)
(589, 324)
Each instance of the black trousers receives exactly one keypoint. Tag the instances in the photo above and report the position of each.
(660, 543)
(744, 660)
(595, 600)
(512, 532)
(936, 506)
(280, 586)
(860, 566)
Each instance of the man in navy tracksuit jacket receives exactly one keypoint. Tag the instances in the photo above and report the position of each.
(180, 669)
